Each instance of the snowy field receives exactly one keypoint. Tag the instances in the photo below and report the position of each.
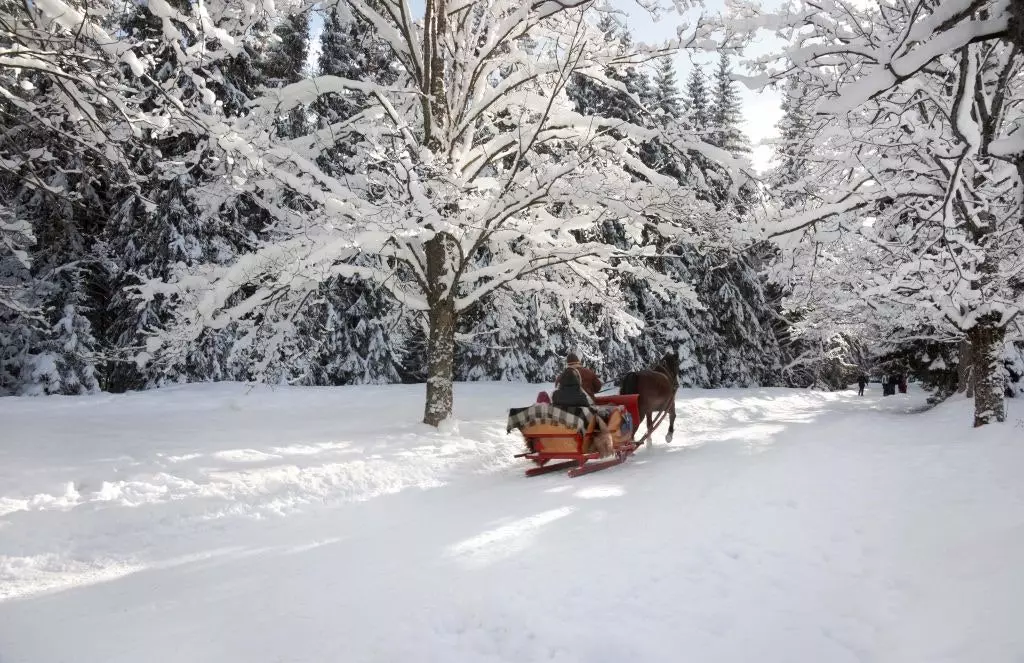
(230, 523)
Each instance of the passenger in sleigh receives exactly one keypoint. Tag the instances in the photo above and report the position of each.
(571, 396)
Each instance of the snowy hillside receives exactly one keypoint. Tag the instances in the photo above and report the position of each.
(236, 523)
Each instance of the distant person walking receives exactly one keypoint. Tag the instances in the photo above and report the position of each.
(862, 382)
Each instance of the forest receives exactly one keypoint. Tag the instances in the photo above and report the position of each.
(364, 191)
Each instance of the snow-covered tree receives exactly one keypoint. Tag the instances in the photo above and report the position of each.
(697, 100)
(918, 130)
(93, 103)
(726, 111)
(628, 96)
(476, 148)
(794, 142)
(362, 337)
(665, 95)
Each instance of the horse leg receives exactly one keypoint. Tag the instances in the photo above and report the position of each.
(671, 420)
(650, 433)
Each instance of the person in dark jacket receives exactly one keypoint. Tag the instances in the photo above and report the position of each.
(588, 378)
(571, 394)
(570, 391)
(862, 382)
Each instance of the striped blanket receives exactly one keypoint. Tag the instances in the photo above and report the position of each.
(577, 418)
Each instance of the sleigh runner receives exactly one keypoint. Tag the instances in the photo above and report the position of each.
(564, 438)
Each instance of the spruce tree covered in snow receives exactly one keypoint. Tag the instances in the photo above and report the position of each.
(665, 95)
(19, 312)
(697, 113)
(18, 308)
(697, 100)
(57, 204)
(284, 61)
(362, 336)
(515, 336)
(631, 91)
(794, 143)
(65, 123)
(728, 336)
(726, 112)
(183, 212)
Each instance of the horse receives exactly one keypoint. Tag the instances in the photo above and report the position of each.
(656, 388)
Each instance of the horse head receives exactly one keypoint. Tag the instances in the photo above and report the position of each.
(669, 365)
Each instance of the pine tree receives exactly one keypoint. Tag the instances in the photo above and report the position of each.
(285, 63)
(794, 144)
(285, 60)
(727, 339)
(727, 112)
(697, 101)
(666, 103)
(54, 214)
(666, 90)
(362, 335)
(185, 212)
(599, 100)
(350, 48)
(697, 111)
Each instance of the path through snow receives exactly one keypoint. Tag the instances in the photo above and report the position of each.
(227, 523)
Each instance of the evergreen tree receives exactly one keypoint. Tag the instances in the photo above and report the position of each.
(46, 259)
(285, 60)
(667, 105)
(725, 336)
(600, 100)
(361, 334)
(666, 90)
(727, 112)
(172, 217)
(350, 48)
(697, 101)
(794, 143)
(697, 110)
(521, 337)
(285, 63)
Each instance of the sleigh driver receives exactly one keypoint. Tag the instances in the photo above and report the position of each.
(589, 381)
(575, 388)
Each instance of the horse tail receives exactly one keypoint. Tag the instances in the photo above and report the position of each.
(629, 384)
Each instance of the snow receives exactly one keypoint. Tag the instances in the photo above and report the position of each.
(1008, 146)
(233, 522)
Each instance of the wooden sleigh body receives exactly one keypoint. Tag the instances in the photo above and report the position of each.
(553, 447)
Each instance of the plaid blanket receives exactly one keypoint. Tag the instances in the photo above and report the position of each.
(576, 418)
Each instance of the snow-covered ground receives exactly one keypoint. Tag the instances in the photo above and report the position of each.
(230, 523)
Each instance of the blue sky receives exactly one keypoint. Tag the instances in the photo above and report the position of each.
(761, 110)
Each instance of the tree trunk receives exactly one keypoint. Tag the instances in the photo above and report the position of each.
(440, 362)
(987, 353)
(442, 318)
(964, 372)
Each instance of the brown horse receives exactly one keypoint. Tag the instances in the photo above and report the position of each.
(656, 387)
